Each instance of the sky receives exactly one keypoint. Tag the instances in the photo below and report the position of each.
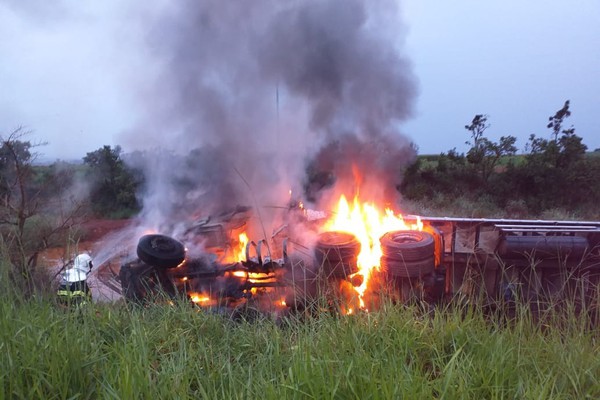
(75, 73)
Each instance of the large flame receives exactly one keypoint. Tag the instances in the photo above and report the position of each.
(368, 224)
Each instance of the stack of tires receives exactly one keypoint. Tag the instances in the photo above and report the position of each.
(407, 254)
(337, 253)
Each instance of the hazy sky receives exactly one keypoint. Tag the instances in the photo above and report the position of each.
(75, 72)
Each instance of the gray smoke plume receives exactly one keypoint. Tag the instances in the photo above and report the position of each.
(248, 91)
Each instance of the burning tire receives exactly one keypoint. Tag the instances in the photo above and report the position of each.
(408, 254)
(337, 253)
(160, 251)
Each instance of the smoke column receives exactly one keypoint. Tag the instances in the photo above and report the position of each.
(247, 92)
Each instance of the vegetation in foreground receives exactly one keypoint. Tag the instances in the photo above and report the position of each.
(161, 351)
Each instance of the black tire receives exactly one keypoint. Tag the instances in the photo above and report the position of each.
(336, 252)
(337, 268)
(407, 246)
(160, 251)
(407, 269)
(338, 245)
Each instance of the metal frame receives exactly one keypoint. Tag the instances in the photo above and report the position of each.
(471, 244)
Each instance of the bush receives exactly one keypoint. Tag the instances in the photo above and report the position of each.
(114, 185)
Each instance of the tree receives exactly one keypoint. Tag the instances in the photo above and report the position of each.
(556, 121)
(556, 172)
(114, 185)
(24, 201)
(485, 154)
(17, 205)
(562, 151)
(477, 127)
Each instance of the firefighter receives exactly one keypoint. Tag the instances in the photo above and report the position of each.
(73, 288)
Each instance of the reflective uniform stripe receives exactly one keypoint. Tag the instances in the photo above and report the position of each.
(68, 293)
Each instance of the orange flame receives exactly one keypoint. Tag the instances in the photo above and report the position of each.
(241, 249)
(368, 224)
(199, 298)
(237, 252)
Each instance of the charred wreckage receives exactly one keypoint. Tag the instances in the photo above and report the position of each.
(433, 260)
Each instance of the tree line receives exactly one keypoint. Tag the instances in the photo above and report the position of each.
(553, 173)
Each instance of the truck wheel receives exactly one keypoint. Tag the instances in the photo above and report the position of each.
(407, 245)
(407, 269)
(160, 251)
(337, 252)
(337, 245)
(407, 254)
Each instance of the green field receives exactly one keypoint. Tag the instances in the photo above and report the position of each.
(119, 352)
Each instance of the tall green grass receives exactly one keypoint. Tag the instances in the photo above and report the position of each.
(161, 351)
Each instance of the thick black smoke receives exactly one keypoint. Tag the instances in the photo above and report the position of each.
(249, 90)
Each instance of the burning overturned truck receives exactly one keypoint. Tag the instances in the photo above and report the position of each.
(246, 100)
(353, 258)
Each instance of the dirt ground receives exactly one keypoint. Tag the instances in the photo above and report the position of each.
(96, 229)
(93, 233)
